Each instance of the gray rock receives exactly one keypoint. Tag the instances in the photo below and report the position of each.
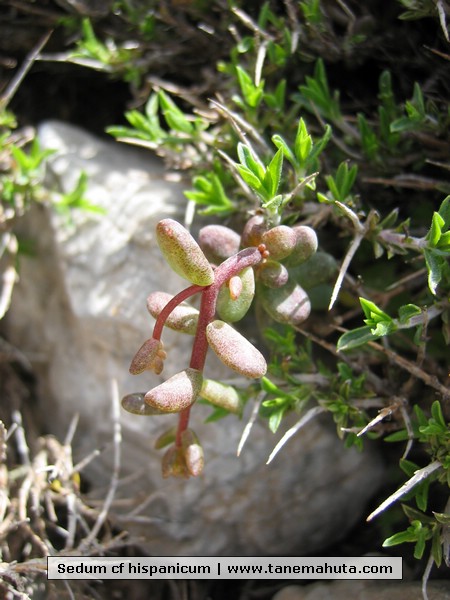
(79, 314)
(365, 590)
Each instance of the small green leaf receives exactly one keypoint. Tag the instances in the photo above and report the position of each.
(175, 118)
(435, 264)
(436, 413)
(406, 312)
(356, 337)
(273, 173)
(372, 312)
(281, 144)
(435, 232)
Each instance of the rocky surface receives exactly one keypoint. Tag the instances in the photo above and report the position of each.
(79, 315)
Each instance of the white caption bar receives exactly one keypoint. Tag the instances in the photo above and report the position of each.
(228, 567)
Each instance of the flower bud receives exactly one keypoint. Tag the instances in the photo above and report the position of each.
(279, 241)
(233, 309)
(273, 274)
(183, 318)
(253, 231)
(288, 304)
(177, 393)
(173, 463)
(193, 452)
(183, 253)
(305, 245)
(218, 242)
(219, 394)
(150, 356)
(235, 351)
(136, 405)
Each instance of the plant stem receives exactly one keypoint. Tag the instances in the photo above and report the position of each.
(232, 266)
(171, 305)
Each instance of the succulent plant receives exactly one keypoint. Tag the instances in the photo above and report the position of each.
(227, 278)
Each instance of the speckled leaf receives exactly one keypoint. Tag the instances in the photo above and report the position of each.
(177, 393)
(305, 246)
(193, 452)
(183, 318)
(219, 394)
(150, 356)
(288, 304)
(136, 405)
(183, 253)
(273, 274)
(279, 241)
(235, 351)
(218, 242)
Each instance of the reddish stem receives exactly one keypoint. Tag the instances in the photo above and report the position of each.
(232, 266)
(171, 305)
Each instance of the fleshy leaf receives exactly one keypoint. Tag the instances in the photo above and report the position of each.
(280, 241)
(288, 304)
(150, 356)
(183, 253)
(305, 245)
(253, 231)
(183, 318)
(165, 438)
(193, 452)
(177, 393)
(173, 463)
(319, 268)
(218, 242)
(235, 351)
(219, 394)
(233, 310)
(136, 405)
(273, 274)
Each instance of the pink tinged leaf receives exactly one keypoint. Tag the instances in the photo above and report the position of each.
(288, 304)
(177, 393)
(136, 405)
(273, 274)
(174, 464)
(193, 452)
(183, 318)
(183, 253)
(218, 242)
(150, 356)
(305, 245)
(279, 241)
(253, 231)
(233, 309)
(219, 394)
(235, 351)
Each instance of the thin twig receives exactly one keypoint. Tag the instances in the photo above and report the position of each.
(22, 446)
(117, 437)
(310, 414)
(15, 82)
(360, 232)
(407, 365)
(419, 475)
(250, 423)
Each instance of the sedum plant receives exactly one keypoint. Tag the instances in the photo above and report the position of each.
(222, 268)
